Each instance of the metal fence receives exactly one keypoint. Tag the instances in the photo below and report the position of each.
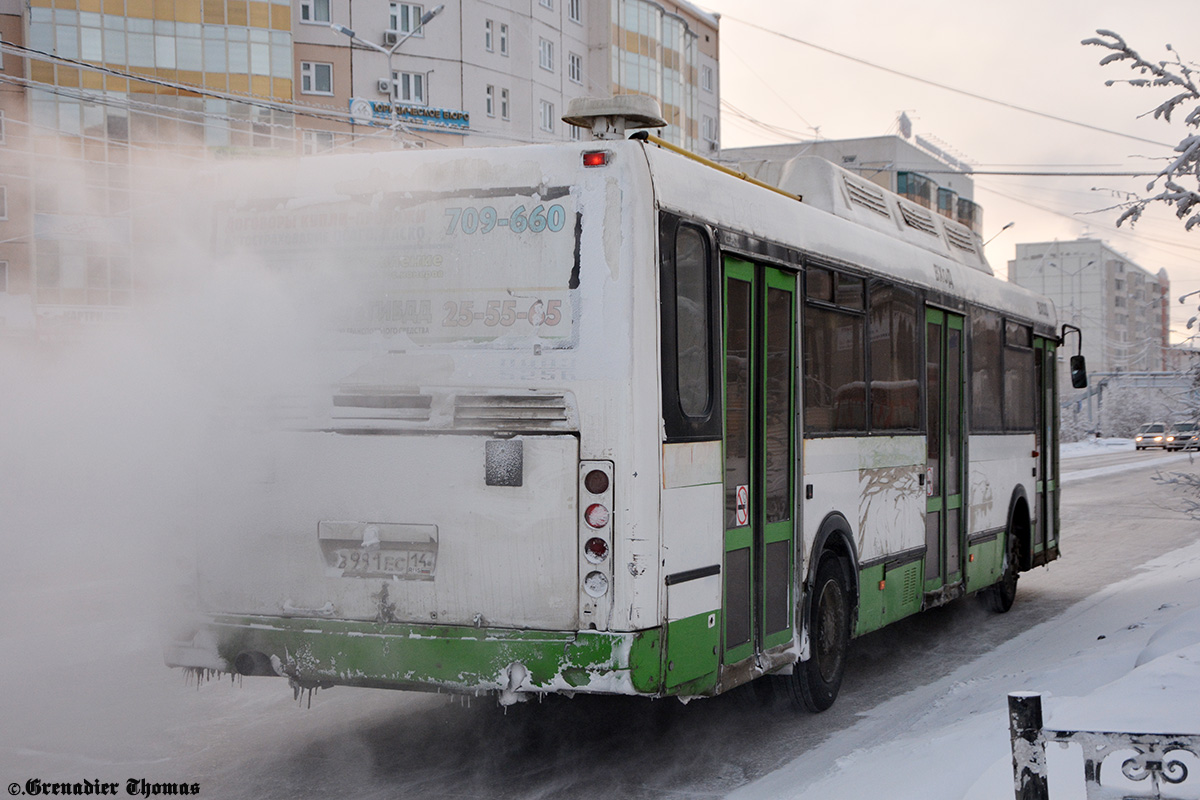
(1152, 757)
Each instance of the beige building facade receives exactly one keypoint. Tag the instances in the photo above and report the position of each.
(481, 72)
(1121, 307)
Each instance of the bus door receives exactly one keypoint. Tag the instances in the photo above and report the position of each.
(945, 462)
(1045, 443)
(760, 335)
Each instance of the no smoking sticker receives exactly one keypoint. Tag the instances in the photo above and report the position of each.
(742, 512)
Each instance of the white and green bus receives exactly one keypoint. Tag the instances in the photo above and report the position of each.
(602, 417)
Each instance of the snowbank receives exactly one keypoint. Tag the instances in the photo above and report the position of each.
(1092, 447)
(1125, 659)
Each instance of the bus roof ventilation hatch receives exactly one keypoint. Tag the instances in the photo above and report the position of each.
(611, 117)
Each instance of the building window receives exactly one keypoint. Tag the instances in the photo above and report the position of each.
(576, 133)
(487, 35)
(575, 10)
(3, 132)
(406, 18)
(504, 104)
(546, 54)
(947, 202)
(547, 3)
(317, 142)
(490, 97)
(915, 187)
(410, 87)
(314, 11)
(503, 39)
(710, 129)
(575, 67)
(548, 116)
(3, 277)
(706, 78)
(316, 78)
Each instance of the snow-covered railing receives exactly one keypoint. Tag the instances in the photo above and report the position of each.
(1153, 756)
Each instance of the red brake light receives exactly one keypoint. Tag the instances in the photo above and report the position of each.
(595, 158)
(596, 550)
(596, 515)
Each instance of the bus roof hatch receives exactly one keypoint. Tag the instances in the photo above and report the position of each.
(610, 117)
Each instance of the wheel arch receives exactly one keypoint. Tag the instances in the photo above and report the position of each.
(1020, 528)
(834, 535)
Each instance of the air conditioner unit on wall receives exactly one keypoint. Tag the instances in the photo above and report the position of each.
(384, 85)
(390, 37)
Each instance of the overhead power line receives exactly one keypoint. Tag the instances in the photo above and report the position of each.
(1040, 174)
(944, 86)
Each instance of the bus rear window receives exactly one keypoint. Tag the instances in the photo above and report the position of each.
(690, 320)
(694, 357)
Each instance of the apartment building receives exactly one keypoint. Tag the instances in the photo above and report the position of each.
(477, 72)
(1121, 307)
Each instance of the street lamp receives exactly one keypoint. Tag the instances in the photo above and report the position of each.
(389, 52)
(997, 233)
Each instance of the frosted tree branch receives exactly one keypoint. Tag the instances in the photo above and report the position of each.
(1178, 183)
(1186, 482)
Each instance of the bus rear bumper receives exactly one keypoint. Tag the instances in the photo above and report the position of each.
(513, 663)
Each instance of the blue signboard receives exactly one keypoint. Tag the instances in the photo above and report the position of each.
(381, 113)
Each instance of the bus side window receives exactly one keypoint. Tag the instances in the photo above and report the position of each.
(894, 339)
(1018, 377)
(986, 360)
(835, 386)
(691, 396)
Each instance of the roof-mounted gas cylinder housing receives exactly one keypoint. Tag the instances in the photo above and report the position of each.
(610, 117)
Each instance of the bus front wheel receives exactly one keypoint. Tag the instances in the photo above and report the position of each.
(818, 679)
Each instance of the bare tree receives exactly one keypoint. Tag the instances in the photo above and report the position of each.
(1178, 76)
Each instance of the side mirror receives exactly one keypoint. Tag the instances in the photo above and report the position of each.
(1078, 372)
(1078, 368)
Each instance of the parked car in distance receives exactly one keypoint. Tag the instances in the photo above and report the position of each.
(1184, 436)
(1152, 434)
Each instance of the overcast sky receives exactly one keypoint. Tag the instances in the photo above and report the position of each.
(1024, 53)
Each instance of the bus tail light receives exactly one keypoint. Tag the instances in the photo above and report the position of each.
(596, 584)
(597, 543)
(596, 516)
(596, 550)
(596, 481)
(595, 158)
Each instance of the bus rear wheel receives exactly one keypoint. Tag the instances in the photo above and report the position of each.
(818, 679)
(1001, 596)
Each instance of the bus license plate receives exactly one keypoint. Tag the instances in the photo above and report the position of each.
(385, 563)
